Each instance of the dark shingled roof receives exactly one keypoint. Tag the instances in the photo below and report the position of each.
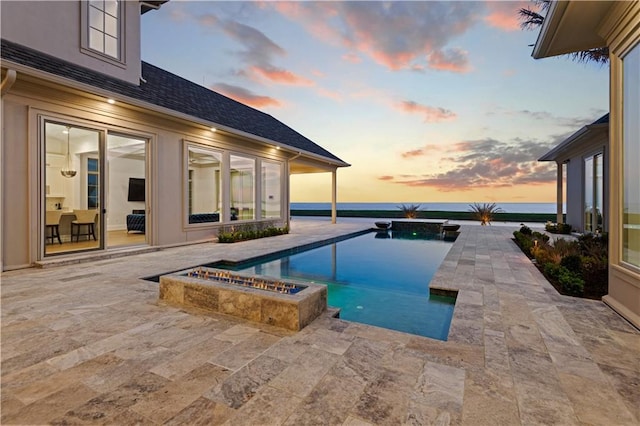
(175, 93)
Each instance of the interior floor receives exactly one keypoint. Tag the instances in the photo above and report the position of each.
(114, 239)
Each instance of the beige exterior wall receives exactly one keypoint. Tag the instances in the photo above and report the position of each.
(31, 100)
(622, 31)
(59, 33)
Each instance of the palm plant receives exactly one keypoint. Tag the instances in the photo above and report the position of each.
(484, 212)
(410, 211)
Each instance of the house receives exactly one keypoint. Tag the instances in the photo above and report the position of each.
(572, 26)
(583, 156)
(102, 151)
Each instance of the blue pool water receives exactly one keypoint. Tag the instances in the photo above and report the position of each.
(373, 280)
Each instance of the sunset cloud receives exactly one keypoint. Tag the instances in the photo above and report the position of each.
(281, 76)
(454, 60)
(421, 152)
(258, 53)
(397, 35)
(504, 14)
(429, 114)
(245, 96)
(486, 163)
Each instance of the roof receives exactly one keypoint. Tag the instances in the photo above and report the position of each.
(147, 5)
(601, 123)
(572, 26)
(164, 89)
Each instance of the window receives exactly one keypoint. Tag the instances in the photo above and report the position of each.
(242, 176)
(271, 199)
(93, 183)
(593, 194)
(104, 27)
(631, 158)
(204, 185)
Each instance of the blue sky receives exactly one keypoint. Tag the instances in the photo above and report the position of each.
(429, 101)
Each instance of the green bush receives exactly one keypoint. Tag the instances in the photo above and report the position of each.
(524, 242)
(564, 228)
(570, 282)
(558, 228)
(525, 230)
(576, 268)
(540, 236)
(249, 232)
(572, 262)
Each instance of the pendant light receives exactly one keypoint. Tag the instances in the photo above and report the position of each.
(68, 172)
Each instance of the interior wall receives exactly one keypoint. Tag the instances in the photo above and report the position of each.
(120, 169)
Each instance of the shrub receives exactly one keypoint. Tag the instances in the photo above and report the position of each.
(551, 270)
(540, 236)
(564, 228)
(570, 282)
(249, 232)
(558, 228)
(484, 212)
(410, 211)
(525, 230)
(524, 242)
(572, 262)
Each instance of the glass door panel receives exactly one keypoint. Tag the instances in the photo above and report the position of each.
(72, 189)
(126, 204)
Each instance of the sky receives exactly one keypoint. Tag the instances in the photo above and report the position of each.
(428, 101)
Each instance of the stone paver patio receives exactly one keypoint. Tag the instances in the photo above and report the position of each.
(90, 343)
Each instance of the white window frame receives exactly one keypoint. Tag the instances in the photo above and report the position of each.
(85, 11)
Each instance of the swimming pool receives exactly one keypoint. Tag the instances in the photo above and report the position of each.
(378, 278)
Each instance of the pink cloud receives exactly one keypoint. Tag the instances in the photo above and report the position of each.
(398, 35)
(486, 163)
(429, 114)
(454, 60)
(386, 177)
(504, 14)
(245, 96)
(421, 152)
(282, 76)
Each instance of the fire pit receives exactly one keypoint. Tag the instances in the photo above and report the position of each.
(287, 304)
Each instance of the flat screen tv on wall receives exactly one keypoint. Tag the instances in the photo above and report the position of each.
(136, 189)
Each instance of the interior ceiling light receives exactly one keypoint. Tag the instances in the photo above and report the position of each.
(67, 171)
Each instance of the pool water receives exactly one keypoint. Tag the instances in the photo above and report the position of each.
(377, 278)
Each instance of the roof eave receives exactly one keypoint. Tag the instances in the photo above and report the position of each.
(568, 143)
(73, 84)
(572, 26)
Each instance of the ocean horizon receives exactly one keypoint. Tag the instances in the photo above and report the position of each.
(450, 207)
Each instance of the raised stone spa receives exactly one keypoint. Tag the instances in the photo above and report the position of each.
(287, 304)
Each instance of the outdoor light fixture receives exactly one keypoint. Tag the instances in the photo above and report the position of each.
(111, 101)
(213, 129)
(68, 172)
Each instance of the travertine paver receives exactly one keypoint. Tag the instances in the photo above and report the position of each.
(90, 343)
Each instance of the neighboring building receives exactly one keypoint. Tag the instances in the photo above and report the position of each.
(572, 26)
(153, 159)
(584, 157)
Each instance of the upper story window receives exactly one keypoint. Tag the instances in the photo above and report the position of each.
(104, 21)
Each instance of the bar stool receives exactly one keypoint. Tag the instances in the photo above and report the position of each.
(83, 218)
(52, 223)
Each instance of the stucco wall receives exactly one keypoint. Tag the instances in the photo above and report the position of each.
(59, 34)
(29, 101)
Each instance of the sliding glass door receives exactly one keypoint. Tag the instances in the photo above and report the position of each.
(72, 189)
(126, 203)
(593, 194)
